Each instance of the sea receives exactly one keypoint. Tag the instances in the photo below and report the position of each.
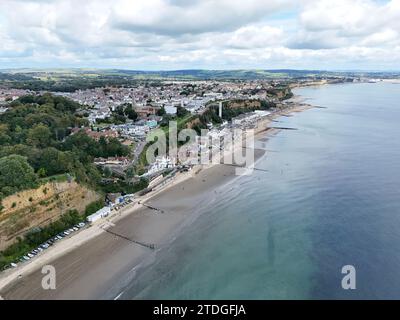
(329, 198)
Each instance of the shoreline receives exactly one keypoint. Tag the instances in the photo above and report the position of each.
(94, 254)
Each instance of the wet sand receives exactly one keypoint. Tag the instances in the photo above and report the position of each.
(89, 271)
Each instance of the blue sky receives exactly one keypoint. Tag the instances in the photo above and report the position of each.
(207, 34)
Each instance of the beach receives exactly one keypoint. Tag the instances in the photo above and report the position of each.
(91, 263)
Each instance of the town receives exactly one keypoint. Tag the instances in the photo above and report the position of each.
(126, 120)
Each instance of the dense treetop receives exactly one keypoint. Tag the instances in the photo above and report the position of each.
(38, 130)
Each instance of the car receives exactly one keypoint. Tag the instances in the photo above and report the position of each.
(71, 230)
(21, 260)
(81, 224)
(30, 255)
(75, 228)
(40, 249)
(13, 265)
(7, 266)
(59, 237)
(26, 258)
(44, 245)
(66, 233)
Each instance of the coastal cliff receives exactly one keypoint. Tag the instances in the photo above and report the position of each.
(29, 209)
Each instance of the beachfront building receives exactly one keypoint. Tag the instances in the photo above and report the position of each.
(102, 213)
(160, 164)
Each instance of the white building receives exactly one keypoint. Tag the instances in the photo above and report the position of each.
(102, 213)
(170, 109)
(160, 164)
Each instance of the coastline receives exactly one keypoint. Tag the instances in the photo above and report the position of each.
(90, 261)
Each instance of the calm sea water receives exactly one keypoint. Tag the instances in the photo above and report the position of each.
(331, 197)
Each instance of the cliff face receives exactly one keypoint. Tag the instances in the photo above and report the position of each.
(280, 93)
(38, 207)
(244, 104)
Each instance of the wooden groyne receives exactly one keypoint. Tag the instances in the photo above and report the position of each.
(147, 245)
(152, 208)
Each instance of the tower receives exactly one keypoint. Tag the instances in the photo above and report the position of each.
(220, 109)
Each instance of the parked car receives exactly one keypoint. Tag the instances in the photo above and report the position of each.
(26, 258)
(75, 228)
(30, 255)
(66, 233)
(81, 224)
(14, 265)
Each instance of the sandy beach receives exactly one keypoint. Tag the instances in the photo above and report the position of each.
(92, 262)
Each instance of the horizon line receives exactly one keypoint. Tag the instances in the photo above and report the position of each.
(196, 69)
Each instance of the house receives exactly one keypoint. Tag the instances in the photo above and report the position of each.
(96, 135)
(146, 111)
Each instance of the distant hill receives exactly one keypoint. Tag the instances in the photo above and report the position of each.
(73, 79)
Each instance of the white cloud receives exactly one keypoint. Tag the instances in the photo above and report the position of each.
(167, 34)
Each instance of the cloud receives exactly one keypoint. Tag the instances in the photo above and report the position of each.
(181, 17)
(337, 24)
(168, 34)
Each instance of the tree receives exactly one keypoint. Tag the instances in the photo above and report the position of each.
(54, 161)
(181, 112)
(41, 172)
(131, 113)
(161, 112)
(107, 172)
(130, 172)
(39, 136)
(16, 174)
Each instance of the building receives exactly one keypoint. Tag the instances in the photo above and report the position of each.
(112, 161)
(102, 213)
(146, 111)
(160, 164)
(170, 109)
(96, 135)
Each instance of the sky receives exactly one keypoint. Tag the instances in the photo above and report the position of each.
(200, 34)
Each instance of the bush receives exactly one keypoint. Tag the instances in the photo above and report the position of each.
(37, 236)
(16, 174)
(93, 207)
